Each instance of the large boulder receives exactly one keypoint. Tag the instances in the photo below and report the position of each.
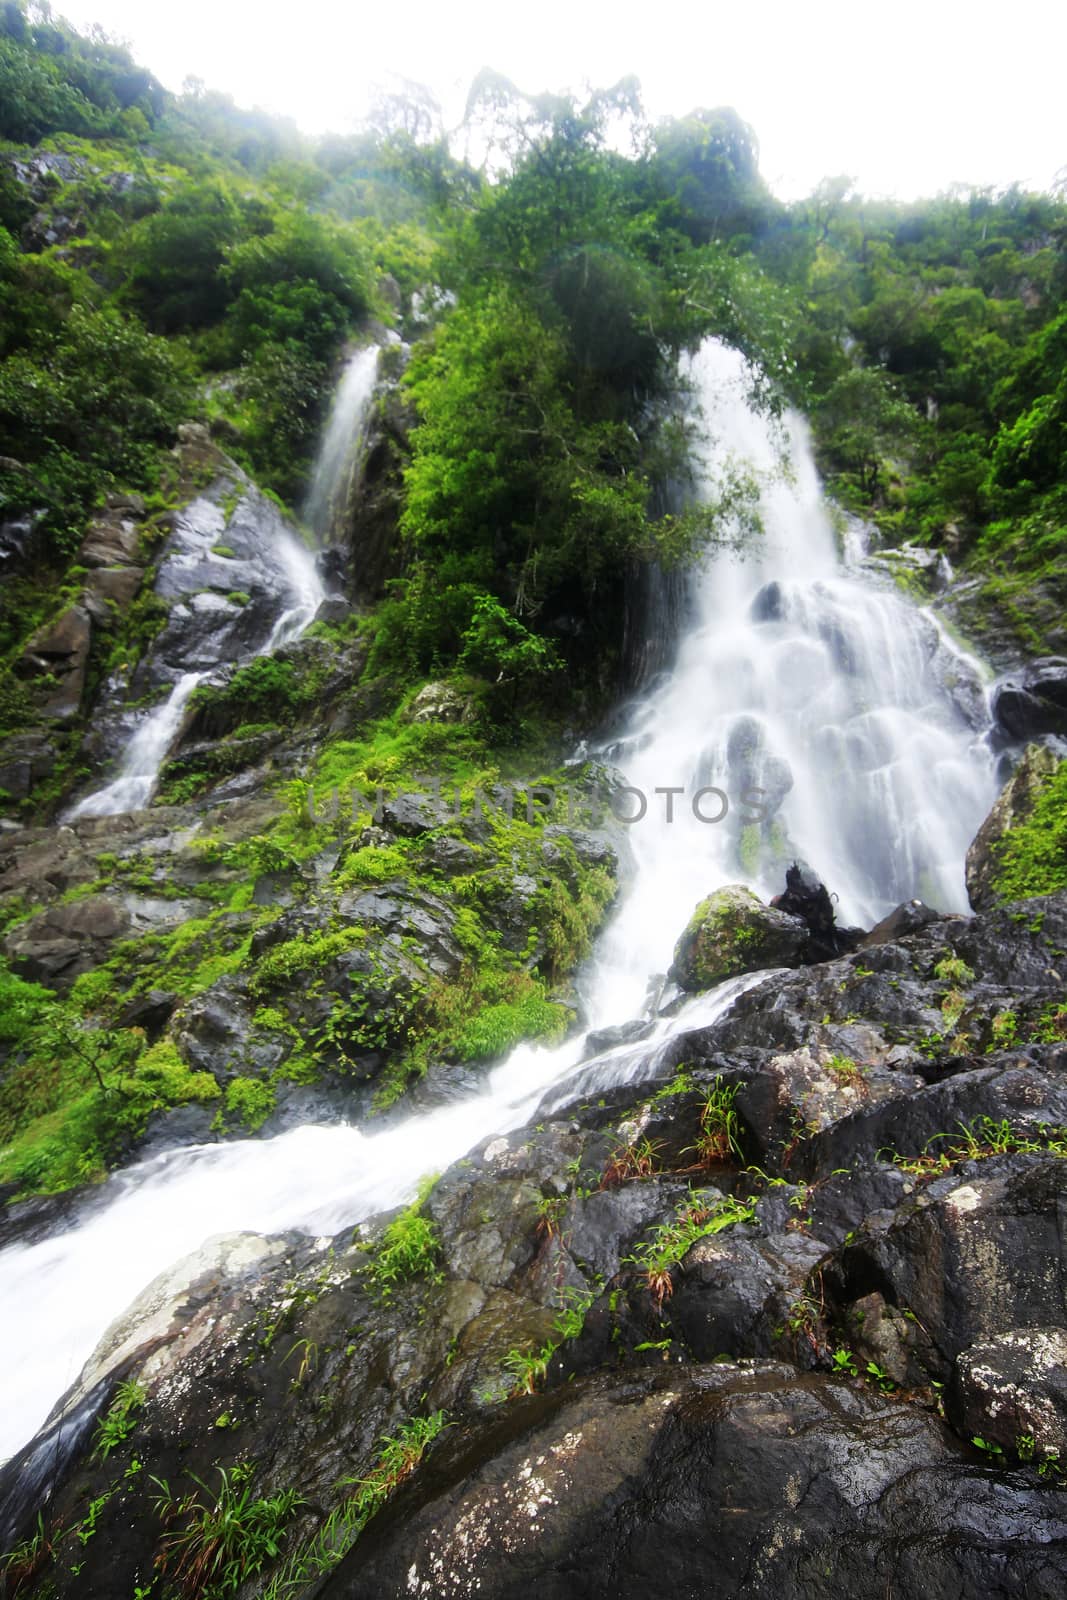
(732, 932)
(1034, 701)
(1011, 1391)
(1012, 806)
(736, 1480)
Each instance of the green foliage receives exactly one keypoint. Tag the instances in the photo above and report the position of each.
(657, 1256)
(1032, 857)
(217, 1539)
(953, 970)
(408, 1248)
(52, 79)
(74, 1097)
(400, 1454)
(250, 1099)
(498, 1028)
(85, 407)
(120, 1419)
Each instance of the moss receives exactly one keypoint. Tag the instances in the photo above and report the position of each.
(303, 955)
(64, 1128)
(1032, 857)
(498, 1028)
(252, 1100)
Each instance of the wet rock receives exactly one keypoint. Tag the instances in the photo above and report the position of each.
(413, 814)
(769, 604)
(64, 941)
(974, 1257)
(1033, 702)
(805, 897)
(440, 702)
(1012, 1391)
(622, 1033)
(60, 650)
(734, 1291)
(111, 589)
(19, 536)
(741, 1480)
(26, 759)
(1012, 806)
(453, 857)
(910, 917)
(333, 609)
(881, 1334)
(113, 540)
(733, 932)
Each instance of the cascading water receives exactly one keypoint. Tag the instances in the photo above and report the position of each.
(339, 455)
(145, 754)
(833, 685)
(814, 699)
(293, 569)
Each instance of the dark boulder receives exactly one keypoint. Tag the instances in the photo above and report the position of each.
(1034, 702)
(1012, 1391)
(910, 917)
(739, 1480)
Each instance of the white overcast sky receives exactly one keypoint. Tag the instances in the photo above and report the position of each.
(908, 98)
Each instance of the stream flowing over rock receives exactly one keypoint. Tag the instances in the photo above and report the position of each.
(895, 1191)
(743, 1272)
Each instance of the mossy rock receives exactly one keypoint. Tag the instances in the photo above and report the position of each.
(1021, 847)
(733, 932)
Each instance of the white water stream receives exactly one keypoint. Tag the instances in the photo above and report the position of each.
(840, 681)
(342, 441)
(300, 591)
(145, 755)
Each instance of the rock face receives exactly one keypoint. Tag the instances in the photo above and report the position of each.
(749, 1404)
(1012, 1388)
(60, 650)
(1034, 701)
(1013, 805)
(748, 1482)
(733, 932)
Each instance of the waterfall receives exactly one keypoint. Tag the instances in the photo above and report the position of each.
(807, 689)
(292, 569)
(800, 677)
(339, 454)
(145, 755)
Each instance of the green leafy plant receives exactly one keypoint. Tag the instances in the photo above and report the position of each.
(115, 1427)
(217, 1539)
(400, 1454)
(658, 1256)
(408, 1248)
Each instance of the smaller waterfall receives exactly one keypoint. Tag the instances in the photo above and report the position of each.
(339, 455)
(145, 754)
(294, 572)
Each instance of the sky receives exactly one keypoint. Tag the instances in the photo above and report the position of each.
(906, 99)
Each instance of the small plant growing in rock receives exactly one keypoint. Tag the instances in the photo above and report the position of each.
(1005, 1030)
(845, 1362)
(217, 1539)
(658, 1256)
(408, 1248)
(720, 1128)
(121, 1418)
(637, 1160)
(953, 971)
(847, 1071)
(551, 1210)
(401, 1453)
